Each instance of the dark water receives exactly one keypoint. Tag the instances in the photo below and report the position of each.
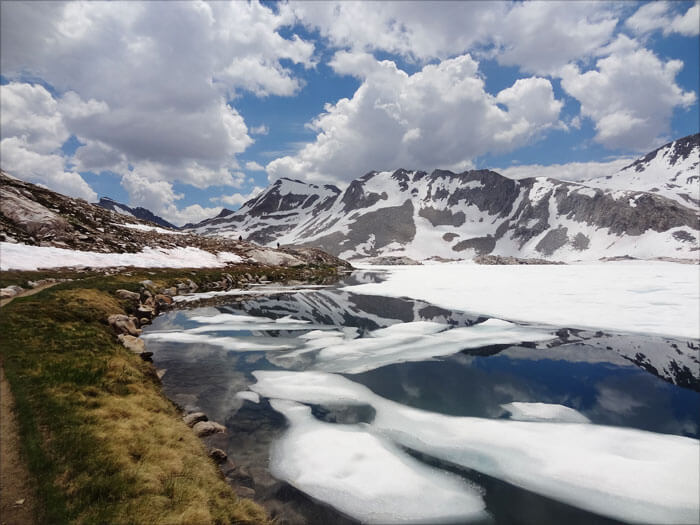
(648, 383)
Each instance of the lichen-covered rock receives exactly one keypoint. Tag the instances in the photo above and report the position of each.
(207, 428)
(123, 324)
(132, 343)
(218, 455)
(126, 294)
(195, 417)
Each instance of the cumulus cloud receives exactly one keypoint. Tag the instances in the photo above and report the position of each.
(539, 37)
(438, 117)
(572, 171)
(262, 129)
(158, 80)
(32, 133)
(160, 197)
(630, 96)
(254, 166)
(662, 16)
(236, 199)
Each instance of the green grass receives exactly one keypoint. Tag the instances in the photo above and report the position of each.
(102, 443)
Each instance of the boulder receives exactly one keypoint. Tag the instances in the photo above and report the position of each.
(218, 455)
(132, 343)
(194, 418)
(162, 299)
(10, 291)
(123, 324)
(207, 428)
(126, 294)
(145, 311)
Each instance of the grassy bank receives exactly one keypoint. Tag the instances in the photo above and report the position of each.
(100, 439)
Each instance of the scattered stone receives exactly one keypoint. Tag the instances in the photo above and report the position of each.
(126, 294)
(144, 321)
(207, 428)
(218, 455)
(146, 356)
(123, 324)
(244, 492)
(147, 284)
(145, 311)
(132, 343)
(498, 259)
(161, 372)
(10, 291)
(168, 291)
(162, 299)
(194, 418)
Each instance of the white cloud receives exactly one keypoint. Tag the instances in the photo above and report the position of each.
(262, 129)
(572, 171)
(237, 199)
(438, 117)
(630, 96)
(661, 16)
(539, 37)
(160, 197)
(147, 82)
(32, 132)
(542, 37)
(254, 166)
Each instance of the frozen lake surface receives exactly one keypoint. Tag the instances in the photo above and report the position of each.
(367, 407)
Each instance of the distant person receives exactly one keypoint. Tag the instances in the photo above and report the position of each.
(240, 237)
(278, 246)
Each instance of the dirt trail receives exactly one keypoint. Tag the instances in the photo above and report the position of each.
(39, 288)
(17, 499)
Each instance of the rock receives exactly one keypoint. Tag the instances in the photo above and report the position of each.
(147, 284)
(169, 291)
(144, 320)
(206, 428)
(244, 492)
(30, 216)
(146, 356)
(145, 311)
(10, 291)
(126, 294)
(218, 455)
(162, 299)
(132, 343)
(194, 418)
(161, 372)
(123, 324)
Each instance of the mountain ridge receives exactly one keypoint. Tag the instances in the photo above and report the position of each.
(463, 215)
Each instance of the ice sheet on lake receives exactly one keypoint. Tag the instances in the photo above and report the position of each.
(623, 473)
(642, 297)
(521, 411)
(229, 322)
(238, 344)
(405, 342)
(248, 396)
(365, 476)
(262, 290)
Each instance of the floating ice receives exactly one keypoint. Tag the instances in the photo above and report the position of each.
(404, 342)
(248, 396)
(238, 344)
(229, 322)
(643, 297)
(365, 476)
(520, 411)
(623, 473)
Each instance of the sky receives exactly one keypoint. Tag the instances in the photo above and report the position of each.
(188, 107)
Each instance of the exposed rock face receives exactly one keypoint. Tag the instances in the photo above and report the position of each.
(123, 324)
(33, 215)
(463, 215)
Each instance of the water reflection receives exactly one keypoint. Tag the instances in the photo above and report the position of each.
(648, 383)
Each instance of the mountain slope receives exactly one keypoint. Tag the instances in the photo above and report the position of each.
(138, 212)
(37, 217)
(673, 171)
(450, 215)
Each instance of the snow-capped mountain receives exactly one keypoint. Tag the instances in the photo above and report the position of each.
(673, 171)
(138, 212)
(461, 215)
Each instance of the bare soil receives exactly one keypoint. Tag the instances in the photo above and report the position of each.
(17, 499)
